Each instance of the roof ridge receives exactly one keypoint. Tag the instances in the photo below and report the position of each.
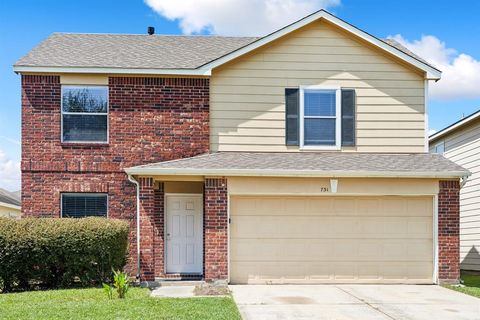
(154, 35)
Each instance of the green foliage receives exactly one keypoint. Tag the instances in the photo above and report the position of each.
(54, 253)
(121, 284)
(108, 290)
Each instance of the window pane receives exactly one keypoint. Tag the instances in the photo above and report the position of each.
(85, 128)
(440, 148)
(320, 102)
(89, 99)
(84, 205)
(319, 132)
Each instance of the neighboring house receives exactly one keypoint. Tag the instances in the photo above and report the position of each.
(460, 142)
(298, 157)
(10, 204)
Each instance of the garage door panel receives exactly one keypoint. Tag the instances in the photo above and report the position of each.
(293, 226)
(311, 250)
(366, 272)
(331, 239)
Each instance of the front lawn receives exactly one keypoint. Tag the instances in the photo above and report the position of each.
(94, 304)
(471, 282)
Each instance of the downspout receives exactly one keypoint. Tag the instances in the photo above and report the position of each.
(132, 180)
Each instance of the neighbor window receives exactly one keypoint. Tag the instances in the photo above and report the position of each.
(440, 147)
(80, 205)
(320, 118)
(85, 114)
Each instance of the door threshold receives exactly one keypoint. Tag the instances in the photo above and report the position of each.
(181, 277)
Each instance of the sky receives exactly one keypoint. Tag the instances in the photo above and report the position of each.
(445, 33)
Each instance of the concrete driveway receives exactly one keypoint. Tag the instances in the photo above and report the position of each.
(369, 302)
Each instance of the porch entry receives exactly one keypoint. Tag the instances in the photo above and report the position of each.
(184, 233)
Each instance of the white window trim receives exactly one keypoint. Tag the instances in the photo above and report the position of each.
(338, 118)
(83, 194)
(84, 113)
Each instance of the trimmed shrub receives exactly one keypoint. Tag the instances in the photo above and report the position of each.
(52, 253)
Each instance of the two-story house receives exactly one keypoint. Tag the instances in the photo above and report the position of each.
(297, 157)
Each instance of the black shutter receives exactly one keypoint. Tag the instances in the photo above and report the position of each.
(348, 117)
(292, 116)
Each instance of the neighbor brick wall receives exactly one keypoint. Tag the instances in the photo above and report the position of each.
(448, 231)
(215, 229)
(150, 120)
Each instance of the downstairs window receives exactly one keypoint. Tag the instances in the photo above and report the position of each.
(81, 205)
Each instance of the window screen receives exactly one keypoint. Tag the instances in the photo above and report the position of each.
(84, 114)
(80, 205)
(320, 117)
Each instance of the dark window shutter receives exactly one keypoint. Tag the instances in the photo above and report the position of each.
(292, 116)
(348, 117)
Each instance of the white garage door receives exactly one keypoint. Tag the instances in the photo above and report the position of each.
(331, 240)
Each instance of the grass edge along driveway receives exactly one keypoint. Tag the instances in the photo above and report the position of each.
(94, 304)
(471, 281)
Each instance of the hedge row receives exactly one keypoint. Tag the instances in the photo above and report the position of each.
(53, 253)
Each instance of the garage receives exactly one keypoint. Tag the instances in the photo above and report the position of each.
(331, 239)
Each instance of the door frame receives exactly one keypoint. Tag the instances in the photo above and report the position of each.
(165, 214)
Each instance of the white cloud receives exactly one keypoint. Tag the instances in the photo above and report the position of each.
(460, 71)
(9, 172)
(236, 17)
(431, 131)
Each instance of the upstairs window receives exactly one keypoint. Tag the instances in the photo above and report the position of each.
(81, 205)
(85, 114)
(320, 118)
(440, 148)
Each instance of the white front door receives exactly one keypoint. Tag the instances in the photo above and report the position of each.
(184, 234)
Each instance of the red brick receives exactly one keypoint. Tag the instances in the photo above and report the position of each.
(215, 229)
(448, 232)
(150, 119)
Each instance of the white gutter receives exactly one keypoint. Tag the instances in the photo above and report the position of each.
(294, 173)
(103, 70)
(454, 126)
(132, 180)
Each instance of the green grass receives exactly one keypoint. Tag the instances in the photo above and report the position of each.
(472, 285)
(94, 304)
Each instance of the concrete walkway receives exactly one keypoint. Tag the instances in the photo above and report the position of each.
(174, 292)
(339, 302)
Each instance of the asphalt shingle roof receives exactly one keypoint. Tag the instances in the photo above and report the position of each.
(316, 162)
(130, 51)
(139, 51)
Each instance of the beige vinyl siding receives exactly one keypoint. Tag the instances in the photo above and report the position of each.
(463, 147)
(247, 109)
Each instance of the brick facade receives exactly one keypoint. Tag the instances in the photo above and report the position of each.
(448, 231)
(150, 120)
(215, 226)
